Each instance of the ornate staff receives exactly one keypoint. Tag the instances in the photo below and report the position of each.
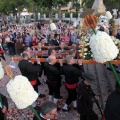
(91, 21)
(19, 90)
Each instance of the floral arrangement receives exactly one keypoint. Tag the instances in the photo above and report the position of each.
(103, 47)
(117, 42)
(87, 50)
(1, 71)
(21, 92)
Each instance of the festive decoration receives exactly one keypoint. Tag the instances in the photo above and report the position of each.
(21, 92)
(52, 25)
(104, 21)
(115, 12)
(98, 44)
(99, 7)
(103, 47)
(108, 15)
(9, 72)
(88, 55)
(90, 21)
(1, 71)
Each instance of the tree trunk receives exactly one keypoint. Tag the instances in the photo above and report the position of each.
(59, 12)
(18, 17)
(50, 8)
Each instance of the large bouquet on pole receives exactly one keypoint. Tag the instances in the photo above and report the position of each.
(21, 92)
(103, 47)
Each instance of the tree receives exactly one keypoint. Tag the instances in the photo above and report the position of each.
(50, 4)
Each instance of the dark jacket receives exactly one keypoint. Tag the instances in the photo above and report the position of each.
(112, 109)
(84, 99)
(71, 73)
(4, 103)
(59, 48)
(54, 42)
(29, 70)
(52, 72)
(19, 47)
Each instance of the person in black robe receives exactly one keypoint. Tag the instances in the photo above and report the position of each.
(86, 97)
(72, 75)
(112, 108)
(54, 79)
(29, 70)
(74, 54)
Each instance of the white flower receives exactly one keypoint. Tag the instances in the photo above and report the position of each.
(1, 71)
(88, 44)
(103, 47)
(91, 55)
(85, 49)
(79, 50)
(86, 39)
(21, 92)
(116, 42)
(85, 53)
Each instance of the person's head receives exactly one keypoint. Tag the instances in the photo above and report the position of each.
(51, 51)
(42, 41)
(88, 78)
(20, 39)
(69, 59)
(72, 52)
(74, 46)
(48, 110)
(26, 55)
(39, 45)
(56, 36)
(52, 35)
(10, 32)
(27, 49)
(62, 45)
(52, 59)
(28, 34)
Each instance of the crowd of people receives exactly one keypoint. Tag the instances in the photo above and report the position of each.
(27, 42)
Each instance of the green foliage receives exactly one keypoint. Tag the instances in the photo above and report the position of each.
(8, 6)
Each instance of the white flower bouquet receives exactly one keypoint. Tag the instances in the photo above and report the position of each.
(103, 47)
(21, 92)
(1, 71)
